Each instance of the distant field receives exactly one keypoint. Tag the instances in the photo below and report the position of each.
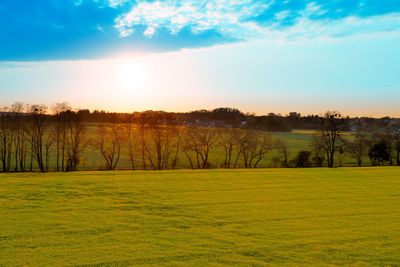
(346, 216)
(296, 141)
(300, 140)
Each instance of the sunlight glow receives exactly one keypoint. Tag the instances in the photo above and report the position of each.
(130, 75)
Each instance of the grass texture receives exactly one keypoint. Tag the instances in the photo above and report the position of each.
(319, 217)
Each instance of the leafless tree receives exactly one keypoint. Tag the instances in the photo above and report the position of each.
(241, 139)
(20, 142)
(37, 133)
(357, 146)
(130, 126)
(75, 142)
(178, 140)
(254, 145)
(329, 134)
(159, 135)
(198, 143)
(6, 138)
(282, 149)
(62, 113)
(109, 144)
(228, 138)
(159, 139)
(318, 150)
(49, 140)
(141, 123)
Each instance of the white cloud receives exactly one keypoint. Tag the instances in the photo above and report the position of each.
(126, 32)
(149, 31)
(282, 15)
(313, 9)
(199, 15)
(232, 18)
(305, 28)
(116, 3)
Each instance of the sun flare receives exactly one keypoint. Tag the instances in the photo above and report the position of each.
(130, 75)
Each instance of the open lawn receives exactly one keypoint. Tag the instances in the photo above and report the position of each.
(346, 216)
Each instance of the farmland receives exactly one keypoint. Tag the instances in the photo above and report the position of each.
(155, 140)
(92, 159)
(295, 141)
(319, 216)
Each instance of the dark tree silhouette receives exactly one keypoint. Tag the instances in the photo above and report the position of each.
(379, 153)
(329, 134)
(38, 126)
(109, 144)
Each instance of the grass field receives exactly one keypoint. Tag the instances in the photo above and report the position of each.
(92, 160)
(295, 141)
(346, 216)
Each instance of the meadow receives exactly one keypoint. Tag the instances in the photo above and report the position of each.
(295, 141)
(318, 216)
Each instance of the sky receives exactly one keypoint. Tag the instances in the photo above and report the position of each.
(307, 56)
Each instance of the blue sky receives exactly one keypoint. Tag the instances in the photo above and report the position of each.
(86, 29)
(260, 56)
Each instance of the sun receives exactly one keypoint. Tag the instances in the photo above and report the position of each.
(130, 75)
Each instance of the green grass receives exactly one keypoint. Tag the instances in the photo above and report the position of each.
(346, 216)
(297, 140)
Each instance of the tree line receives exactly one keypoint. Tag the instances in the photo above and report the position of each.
(231, 117)
(380, 145)
(35, 137)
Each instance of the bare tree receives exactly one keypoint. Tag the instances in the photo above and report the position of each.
(357, 147)
(109, 144)
(179, 136)
(158, 139)
(37, 133)
(329, 134)
(12, 137)
(282, 149)
(75, 143)
(228, 138)
(318, 150)
(254, 145)
(20, 147)
(62, 113)
(241, 139)
(160, 134)
(6, 138)
(141, 123)
(49, 140)
(199, 141)
(129, 125)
